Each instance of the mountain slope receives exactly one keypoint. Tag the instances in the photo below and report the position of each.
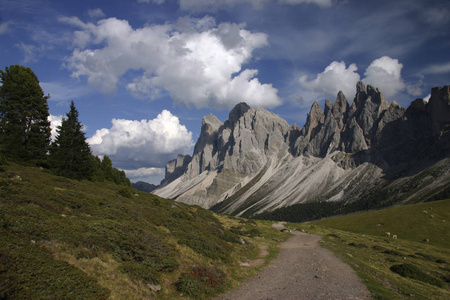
(255, 162)
(67, 239)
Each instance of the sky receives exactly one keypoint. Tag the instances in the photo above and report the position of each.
(143, 73)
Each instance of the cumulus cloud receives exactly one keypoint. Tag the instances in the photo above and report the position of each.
(200, 66)
(55, 121)
(336, 77)
(151, 143)
(385, 73)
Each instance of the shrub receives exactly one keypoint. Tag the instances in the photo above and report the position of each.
(333, 235)
(125, 192)
(392, 252)
(411, 271)
(358, 245)
(189, 285)
(211, 276)
(138, 272)
(379, 248)
(208, 246)
(201, 281)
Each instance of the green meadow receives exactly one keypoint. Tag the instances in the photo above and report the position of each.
(67, 239)
(415, 265)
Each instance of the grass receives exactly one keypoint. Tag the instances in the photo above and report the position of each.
(394, 268)
(67, 239)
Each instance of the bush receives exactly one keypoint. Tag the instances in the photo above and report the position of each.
(411, 271)
(138, 272)
(208, 246)
(201, 281)
(189, 285)
(392, 252)
(379, 248)
(358, 245)
(125, 192)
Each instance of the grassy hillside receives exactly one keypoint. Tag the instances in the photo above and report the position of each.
(406, 267)
(414, 223)
(67, 239)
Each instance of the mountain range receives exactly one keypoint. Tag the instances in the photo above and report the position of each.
(371, 152)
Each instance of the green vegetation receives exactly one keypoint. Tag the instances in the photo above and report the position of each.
(410, 222)
(25, 132)
(66, 239)
(24, 125)
(413, 265)
(310, 211)
(70, 154)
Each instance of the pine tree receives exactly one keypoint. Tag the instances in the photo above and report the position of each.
(24, 126)
(70, 154)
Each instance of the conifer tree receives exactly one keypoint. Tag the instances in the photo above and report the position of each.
(70, 154)
(24, 126)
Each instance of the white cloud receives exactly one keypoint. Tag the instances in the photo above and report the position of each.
(427, 98)
(210, 6)
(132, 144)
(199, 66)
(385, 73)
(96, 13)
(62, 91)
(438, 69)
(30, 52)
(322, 3)
(415, 89)
(336, 77)
(151, 1)
(150, 175)
(55, 121)
(4, 27)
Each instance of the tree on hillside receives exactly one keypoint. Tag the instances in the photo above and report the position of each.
(70, 154)
(103, 170)
(24, 126)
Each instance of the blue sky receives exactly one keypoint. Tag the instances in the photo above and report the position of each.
(142, 73)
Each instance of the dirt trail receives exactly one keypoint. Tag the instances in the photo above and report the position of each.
(302, 270)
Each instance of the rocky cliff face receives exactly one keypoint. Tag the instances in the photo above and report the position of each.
(256, 161)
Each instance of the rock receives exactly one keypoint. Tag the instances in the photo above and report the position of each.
(438, 109)
(255, 161)
(155, 287)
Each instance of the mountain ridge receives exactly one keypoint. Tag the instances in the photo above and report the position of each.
(255, 161)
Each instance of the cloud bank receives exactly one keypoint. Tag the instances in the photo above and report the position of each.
(200, 65)
(150, 175)
(384, 73)
(133, 144)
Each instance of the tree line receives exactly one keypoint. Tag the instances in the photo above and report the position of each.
(25, 132)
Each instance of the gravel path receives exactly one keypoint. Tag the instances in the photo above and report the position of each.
(302, 270)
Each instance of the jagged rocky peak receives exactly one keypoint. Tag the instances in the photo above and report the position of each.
(238, 111)
(342, 152)
(439, 109)
(175, 168)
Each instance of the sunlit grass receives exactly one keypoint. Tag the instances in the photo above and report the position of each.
(360, 240)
